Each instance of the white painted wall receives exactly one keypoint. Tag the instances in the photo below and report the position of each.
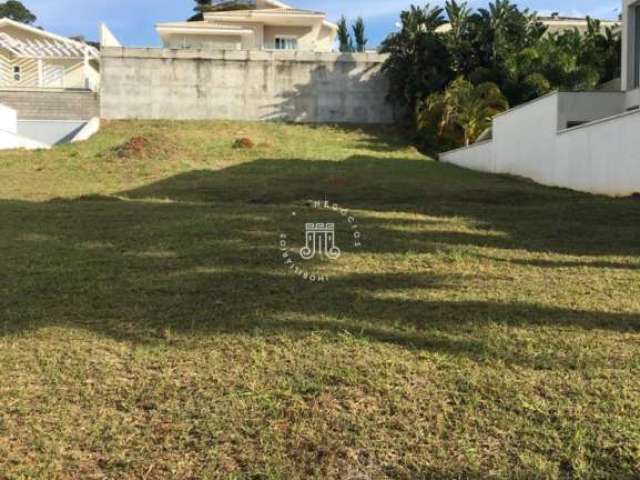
(8, 119)
(601, 156)
(9, 140)
(107, 38)
(50, 132)
(633, 99)
(89, 130)
(37, 134)
(588, 106)
(524, 138)
(479, 156)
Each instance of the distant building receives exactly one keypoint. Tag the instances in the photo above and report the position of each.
(265, 25)
(34, 58)
(557, 24)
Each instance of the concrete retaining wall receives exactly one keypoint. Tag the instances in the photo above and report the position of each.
(601, 157)
(530, 141)
(52, 104)
(479, 156)
(243, 85)
(633, 98)
(50, 132)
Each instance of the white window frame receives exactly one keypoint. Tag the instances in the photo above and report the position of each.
(290, 42)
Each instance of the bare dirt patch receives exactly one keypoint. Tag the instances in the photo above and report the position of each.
(144, 147)
(244, 143)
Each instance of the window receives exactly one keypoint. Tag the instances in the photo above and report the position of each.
(286, 43)
(17, 73)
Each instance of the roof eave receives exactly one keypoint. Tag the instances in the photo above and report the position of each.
(330, 25)
(44, 33)
(168, 29)
(256, 14)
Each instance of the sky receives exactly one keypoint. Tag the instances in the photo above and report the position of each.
(132, 21)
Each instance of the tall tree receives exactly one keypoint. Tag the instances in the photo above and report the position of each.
(419, 62)
(344, 37)
(15, 10)
(500, 45)
(459, 37)
(359, 35)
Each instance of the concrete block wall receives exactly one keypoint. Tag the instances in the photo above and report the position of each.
(53, 104)
(243, 85)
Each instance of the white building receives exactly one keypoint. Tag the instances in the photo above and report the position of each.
(48, 87)
(586, 141)
(266, 25)
(558, 24)
(34, 58)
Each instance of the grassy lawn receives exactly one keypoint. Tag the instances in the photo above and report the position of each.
(485, 328)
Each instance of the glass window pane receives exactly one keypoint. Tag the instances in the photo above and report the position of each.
(286, 44)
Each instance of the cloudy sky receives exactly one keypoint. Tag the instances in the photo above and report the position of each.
(132, 20)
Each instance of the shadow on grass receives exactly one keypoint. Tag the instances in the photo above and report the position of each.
(208, 261)
(531, 217)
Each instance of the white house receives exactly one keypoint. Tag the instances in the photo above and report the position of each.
(34, 58)
(558, 24)
(266, 25)
(586, 141)
(48, 87)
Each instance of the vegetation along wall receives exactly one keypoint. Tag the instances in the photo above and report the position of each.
(244, 85)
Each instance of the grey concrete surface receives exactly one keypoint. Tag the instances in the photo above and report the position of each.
(52, 104)
(243, 85)
(50, 132)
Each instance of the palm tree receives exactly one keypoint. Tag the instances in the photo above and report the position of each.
(419, 61)
(467, 107)
(458, 15)
(459, 42)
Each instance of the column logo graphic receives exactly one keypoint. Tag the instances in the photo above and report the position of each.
(327, 232)
(320, 238)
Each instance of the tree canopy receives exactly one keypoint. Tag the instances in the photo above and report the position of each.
(501, 45)
(344, 37)
(349, 43)
(203, 6)
(15, 10)
(360, 39)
